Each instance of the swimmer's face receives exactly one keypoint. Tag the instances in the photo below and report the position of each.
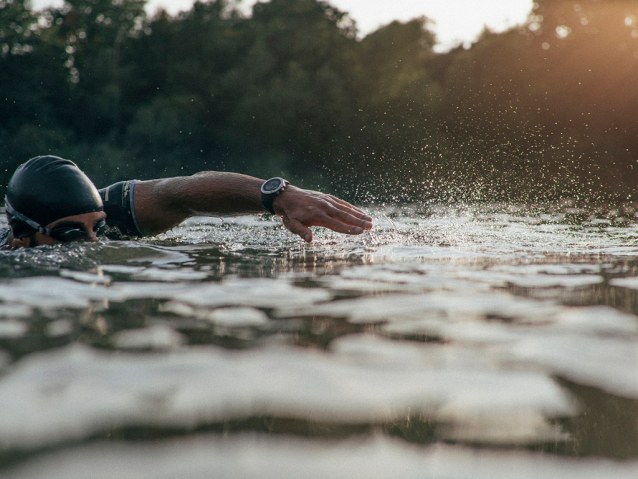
(87, 223)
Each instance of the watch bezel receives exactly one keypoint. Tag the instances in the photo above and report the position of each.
(281, 184)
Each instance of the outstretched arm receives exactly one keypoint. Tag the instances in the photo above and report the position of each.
(163, 204)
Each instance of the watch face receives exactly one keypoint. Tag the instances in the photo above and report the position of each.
(272, 185)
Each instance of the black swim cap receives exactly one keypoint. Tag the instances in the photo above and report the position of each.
(47, 188)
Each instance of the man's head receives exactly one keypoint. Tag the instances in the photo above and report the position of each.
(47, 197)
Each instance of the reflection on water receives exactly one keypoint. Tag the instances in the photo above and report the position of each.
(487, 339)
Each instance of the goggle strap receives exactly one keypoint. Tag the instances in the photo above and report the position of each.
(39, 228)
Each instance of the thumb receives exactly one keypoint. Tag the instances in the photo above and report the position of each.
(298, 228)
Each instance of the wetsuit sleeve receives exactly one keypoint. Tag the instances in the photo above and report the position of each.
(118, 202)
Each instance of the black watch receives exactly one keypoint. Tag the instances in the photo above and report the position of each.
(270, 190)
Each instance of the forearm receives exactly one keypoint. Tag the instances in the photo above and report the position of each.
(162, 204)
(218, 193)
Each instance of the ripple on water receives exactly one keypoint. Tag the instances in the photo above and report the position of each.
(253, 455)
(73, 393)
(474, 322)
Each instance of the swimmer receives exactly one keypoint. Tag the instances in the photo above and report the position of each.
(50, 200)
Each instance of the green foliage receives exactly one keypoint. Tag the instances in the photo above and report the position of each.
(546, 109)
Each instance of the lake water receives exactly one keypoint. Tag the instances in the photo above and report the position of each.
(489, 341)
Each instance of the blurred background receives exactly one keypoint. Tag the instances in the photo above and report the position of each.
(539, 105)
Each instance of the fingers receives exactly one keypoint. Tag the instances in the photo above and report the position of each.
(339, 226)
(344, 223)
(351, 218)
(339, 203)
(298, 228)
(346, 212)
(301, 209)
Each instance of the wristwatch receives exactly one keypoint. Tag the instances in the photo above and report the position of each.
(270, 190)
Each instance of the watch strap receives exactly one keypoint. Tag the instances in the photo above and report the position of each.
(267, 199)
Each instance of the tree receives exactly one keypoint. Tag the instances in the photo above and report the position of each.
(32, 82)
(95, 32)
(294, 85)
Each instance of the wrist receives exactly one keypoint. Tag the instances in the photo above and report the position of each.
(281, 202)
(270, 191)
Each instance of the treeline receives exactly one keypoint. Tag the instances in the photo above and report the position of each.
(548, 109)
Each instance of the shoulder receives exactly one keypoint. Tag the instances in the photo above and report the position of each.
(119, 200)
(118, 194)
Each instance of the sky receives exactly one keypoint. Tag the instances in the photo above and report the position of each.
(455, 21)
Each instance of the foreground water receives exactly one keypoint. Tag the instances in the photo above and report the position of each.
(486, 341)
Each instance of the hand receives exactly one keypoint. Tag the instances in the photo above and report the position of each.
(301, 209)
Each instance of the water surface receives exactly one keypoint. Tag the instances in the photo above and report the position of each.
(466, 341)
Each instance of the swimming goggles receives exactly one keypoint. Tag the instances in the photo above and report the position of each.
(64, 234)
